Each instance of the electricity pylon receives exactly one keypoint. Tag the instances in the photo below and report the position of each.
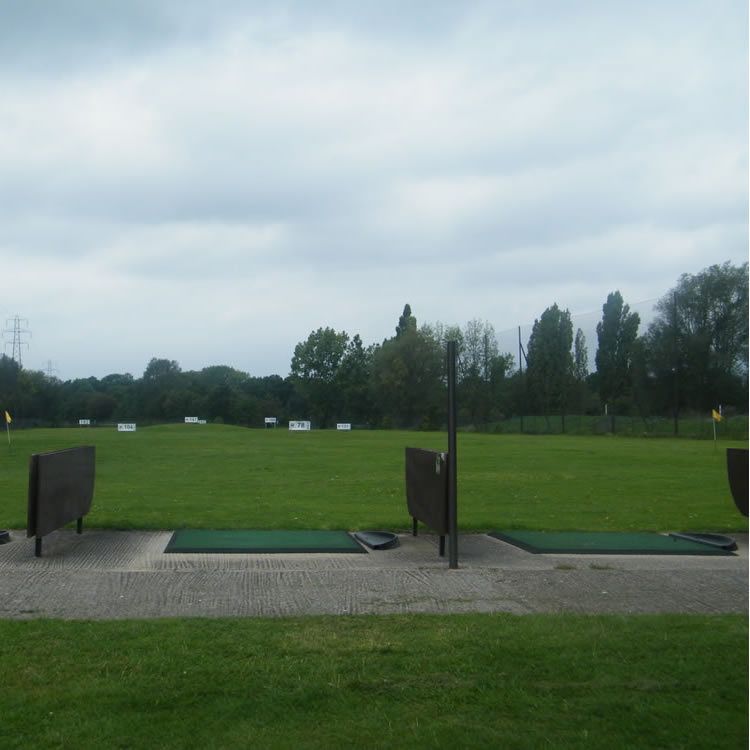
(18, 330)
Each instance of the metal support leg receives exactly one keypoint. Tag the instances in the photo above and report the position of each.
(38, 546)
(79, 526)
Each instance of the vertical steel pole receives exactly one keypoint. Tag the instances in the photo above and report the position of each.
(452, 484)
(520, 371)
(675, 367)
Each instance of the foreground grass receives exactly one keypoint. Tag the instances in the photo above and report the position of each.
(207, 476)
(402, 681)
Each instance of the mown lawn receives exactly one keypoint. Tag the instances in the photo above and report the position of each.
(210, 476)
(461, 681)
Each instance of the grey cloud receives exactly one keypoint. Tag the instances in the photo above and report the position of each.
(475, 159)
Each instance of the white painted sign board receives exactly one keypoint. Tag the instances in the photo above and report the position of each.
(344, 426)
(191, 420)
(84, 421)
(122, 427)
(299, 425)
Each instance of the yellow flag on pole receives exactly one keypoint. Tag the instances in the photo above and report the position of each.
(715, 414)
(7, 417)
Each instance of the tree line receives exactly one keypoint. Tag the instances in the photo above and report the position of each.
(692, 358)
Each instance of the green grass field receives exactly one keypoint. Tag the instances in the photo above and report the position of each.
(463, 681)
(211, 476)
(460, 681)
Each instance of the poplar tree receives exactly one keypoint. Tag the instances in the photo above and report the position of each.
(616, 333)
(550, 361)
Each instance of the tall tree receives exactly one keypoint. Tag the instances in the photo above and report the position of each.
(408, 380)
(444, 333)
(160, 378)
(407, 322)
(580, 388)
(549, 360)
(616, 333)
(161, 368)
(121, 387)
(476, 360)
(353, 379)
(580, 357)
(314, 369)
(697, 346)
(500, 385)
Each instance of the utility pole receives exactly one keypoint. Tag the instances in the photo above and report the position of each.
(18, 330)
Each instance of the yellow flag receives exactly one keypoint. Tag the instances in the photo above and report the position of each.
(715, 414)
(7, 417)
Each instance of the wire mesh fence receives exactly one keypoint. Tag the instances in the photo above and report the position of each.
(692, 427)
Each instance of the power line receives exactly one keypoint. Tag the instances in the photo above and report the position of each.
(18, 331)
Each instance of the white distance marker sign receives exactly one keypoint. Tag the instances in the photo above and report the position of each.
(123, 427)
(299, 425)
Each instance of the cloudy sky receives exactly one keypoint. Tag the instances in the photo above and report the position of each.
(210, 182)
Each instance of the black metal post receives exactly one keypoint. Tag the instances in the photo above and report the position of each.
(675, 367)
(520, 371)
(452, 484)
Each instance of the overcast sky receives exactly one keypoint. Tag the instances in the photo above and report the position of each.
(210, 182)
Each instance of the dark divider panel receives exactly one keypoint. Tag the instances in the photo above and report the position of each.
(737, 471)
(61, 488)
(427, 490)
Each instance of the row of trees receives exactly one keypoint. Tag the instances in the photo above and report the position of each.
(400, 382)
(693, 357)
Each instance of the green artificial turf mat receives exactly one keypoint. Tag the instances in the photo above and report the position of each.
(252, 541)
(604, 543)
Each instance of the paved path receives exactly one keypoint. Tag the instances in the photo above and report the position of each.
(104, 574)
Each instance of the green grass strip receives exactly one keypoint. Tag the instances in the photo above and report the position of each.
(461, 681)
(256, 541)
(604, 543)
(221, 477)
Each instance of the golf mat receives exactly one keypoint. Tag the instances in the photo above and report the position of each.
(228, 541)
(604, 543)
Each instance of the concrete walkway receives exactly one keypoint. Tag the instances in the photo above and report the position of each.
(104, 574)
